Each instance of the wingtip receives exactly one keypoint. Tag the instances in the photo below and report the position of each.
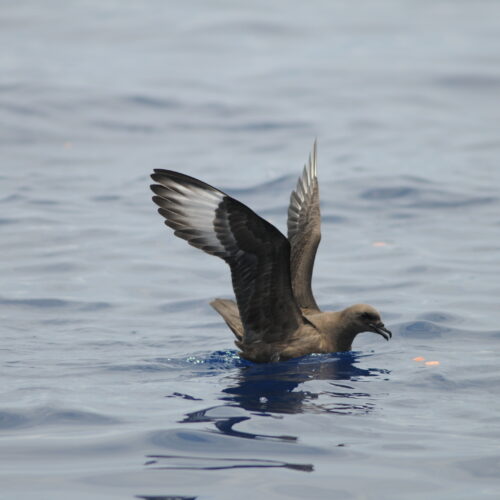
(311, 168)
(156, 176)
(315, 154)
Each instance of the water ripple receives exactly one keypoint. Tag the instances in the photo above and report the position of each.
(422, 330)
(418, 197)
(54, 303)
(51, 416)
(180, 462)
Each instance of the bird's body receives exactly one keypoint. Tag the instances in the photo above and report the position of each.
(275, 316)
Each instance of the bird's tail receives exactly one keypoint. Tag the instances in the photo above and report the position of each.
(228, 309)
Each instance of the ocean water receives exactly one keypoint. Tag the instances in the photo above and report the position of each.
(118, 379)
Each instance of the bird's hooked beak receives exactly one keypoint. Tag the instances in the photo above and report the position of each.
(381, 330)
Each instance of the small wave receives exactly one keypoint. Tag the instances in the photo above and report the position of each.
(22, 110)
(426, 329)
(281, 183)
(147, 101)
(483, 467)
(419, 197)
(13, 198)
(106, 198)
(422, 329)
(119, 126)
(439, 317)
(469, 81)
(51, 416)
(264, 126)
(389, 193)
(5, 221)
(177, 306)
(54, 303)
(44, 201)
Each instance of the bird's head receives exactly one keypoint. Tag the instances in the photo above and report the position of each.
(365, 318)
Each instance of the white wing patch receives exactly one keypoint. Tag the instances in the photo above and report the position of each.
(190, 209)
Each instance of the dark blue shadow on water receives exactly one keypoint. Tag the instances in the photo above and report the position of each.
(271, 387)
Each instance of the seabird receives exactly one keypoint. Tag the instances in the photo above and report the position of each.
(275, 316)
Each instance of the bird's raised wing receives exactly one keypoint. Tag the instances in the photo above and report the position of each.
(257, 253)
(304, 232)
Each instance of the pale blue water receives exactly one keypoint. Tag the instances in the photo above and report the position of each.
(118, 380)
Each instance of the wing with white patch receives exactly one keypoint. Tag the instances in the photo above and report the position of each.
(257, 253)
(304, 232)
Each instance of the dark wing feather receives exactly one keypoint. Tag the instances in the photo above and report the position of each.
(257, 253)
(304, 233)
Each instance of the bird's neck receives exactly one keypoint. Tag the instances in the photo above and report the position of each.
(337, 332)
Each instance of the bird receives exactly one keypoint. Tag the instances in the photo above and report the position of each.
(275, 316)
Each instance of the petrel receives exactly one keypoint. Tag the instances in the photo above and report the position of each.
(275, 316)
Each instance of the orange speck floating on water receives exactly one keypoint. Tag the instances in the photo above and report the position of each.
(432, 363)
(379, 244)
(419, 358)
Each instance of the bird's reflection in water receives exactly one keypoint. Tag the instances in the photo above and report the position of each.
(272, 387)
(220, 463)
(224, 417)
(269, 390)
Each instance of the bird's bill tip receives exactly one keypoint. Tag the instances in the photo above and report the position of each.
(382, 330)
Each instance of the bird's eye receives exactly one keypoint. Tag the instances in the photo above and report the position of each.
(368, 316)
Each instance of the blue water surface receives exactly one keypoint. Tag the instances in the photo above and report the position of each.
(118, 379)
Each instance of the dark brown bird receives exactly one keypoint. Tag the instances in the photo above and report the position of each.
(275, 316)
